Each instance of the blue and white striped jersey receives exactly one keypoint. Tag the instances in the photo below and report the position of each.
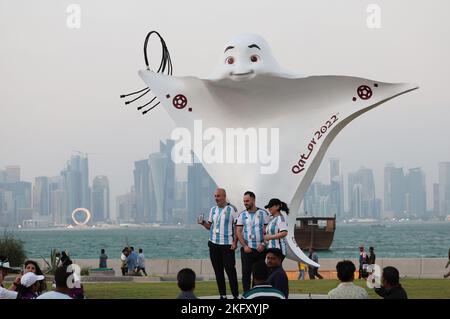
(276, 225)
(222, 220)
(253, 226)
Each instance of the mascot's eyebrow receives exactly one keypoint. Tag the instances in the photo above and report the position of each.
(228, 48)
(254, 46)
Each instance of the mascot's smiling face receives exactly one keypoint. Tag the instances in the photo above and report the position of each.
(244, 57)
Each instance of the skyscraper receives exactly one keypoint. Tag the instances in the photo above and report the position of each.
(356, 203)
(310, 199)
(41, 196)
(71, 184)
(181, 194)
(142, 191)
(75, 184)
(200, 188)
(394, 191)
(335, 168)
(126, 207)
(416, 195)
(158, 165)
(7, 207)
(57, 200)
(58, 207)
(154, 184)
(362, 199)
(180, 207)
(100, 199)
(169, 193)
(444, 188)
(436, 209)
(17, 197)
(85, 189)
(317, 201)
(337, 197)
(336, 189)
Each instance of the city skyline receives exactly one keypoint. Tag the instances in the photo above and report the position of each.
(158, 195)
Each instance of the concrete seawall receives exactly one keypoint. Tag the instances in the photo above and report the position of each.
(408, 267)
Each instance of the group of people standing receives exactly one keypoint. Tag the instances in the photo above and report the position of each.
(132, 263)
(313, 272)
(365, 260)
(261, 234)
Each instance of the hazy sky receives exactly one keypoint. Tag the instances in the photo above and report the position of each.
(60, 87)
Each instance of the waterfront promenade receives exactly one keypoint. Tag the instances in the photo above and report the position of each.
(166, 269)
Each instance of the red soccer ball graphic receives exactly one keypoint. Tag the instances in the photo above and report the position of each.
(364, 92)
(179, 101)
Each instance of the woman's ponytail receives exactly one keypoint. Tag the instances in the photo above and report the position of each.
(284, 208)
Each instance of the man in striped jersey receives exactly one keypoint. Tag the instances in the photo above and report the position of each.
(250, 231)
(222, 242)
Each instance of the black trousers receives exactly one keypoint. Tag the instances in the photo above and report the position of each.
(248, 259)
(143, 270)
(222, 257)
(313, 272)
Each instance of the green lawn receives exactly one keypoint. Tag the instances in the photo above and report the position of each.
(416, 288)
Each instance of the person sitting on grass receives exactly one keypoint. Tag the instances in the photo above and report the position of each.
(186, 283)
(390, 285)
(347, 289)
(261, 288)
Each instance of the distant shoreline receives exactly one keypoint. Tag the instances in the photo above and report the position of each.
(112, 227)
(172, 227)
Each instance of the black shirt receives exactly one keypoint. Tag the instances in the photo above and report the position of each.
(372, 258)
(279, 280)
(392, 293)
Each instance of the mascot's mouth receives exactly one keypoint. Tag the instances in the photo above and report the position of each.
(242, 76)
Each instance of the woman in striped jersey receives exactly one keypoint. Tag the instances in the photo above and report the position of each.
(277, 229)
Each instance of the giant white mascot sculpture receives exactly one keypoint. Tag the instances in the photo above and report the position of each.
(297, 116)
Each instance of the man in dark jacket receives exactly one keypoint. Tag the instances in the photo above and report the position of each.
(313, 272)
(277, 278)
(390, 285)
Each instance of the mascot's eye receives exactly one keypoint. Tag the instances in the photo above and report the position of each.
(229, 60)
(254, 58)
